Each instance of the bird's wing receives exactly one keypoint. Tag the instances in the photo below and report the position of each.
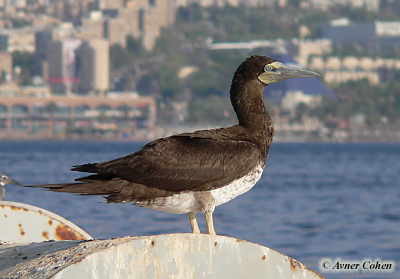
(180, 163)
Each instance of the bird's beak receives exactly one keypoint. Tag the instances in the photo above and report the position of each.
(15, 182)
(277, 71)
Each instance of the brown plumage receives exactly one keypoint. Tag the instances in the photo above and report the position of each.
(197, 171)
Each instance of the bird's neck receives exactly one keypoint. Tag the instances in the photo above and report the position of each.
(247, 101)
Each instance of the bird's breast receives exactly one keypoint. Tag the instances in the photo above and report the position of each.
(238, 186)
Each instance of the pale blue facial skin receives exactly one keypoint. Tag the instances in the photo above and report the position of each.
(277, 71)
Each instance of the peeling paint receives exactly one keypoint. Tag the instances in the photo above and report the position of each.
(26, 223)
(45, 234)
(63, 232)
(295, 265)
(161, 256)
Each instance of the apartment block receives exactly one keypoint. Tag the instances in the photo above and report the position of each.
(6, 66)
(22, 39)
(94, 66)
(63, 66)
(338, 70)
(374, 36)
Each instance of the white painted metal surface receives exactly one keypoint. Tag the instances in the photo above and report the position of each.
(161, 256)
(26, 223)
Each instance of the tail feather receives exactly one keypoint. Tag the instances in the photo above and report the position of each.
(85, 187)
(92, 168)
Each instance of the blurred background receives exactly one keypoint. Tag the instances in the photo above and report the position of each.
(140, 69)
(92, 80)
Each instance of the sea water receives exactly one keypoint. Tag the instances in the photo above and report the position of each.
(313, 201)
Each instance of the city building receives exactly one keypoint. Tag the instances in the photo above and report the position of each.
(37, 113)
(144, 19)
(93, 26)
(79, 66)
(42, 41)
(95, 66)
(303, 49)
(138, 18)
(374, 36)
(63, 69)
(110, 4)
(338, 70)
(371, 5)
(115, 31)
(21, 39)
(235, 3)
(6, 67)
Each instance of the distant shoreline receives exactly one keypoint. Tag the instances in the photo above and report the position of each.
(144, 140)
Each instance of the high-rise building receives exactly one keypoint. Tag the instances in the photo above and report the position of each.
(115, 31)
(145, 18)
(79, 66)
(94, 66)
(110, 4)
(6, 66)
(64, 66)
(42, 41)
(93, 27)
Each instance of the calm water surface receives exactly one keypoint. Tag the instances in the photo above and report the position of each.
(313, 200)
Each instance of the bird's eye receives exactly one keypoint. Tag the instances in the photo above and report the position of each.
(269, 68)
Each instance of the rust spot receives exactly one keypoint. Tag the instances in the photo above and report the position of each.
(66, 233)
(215, 244)
(45, 235)
(153, 243)
(295, 265)
(15, 207)
(264, 257)
(24, 209)
(50, 222)
(21, 230)
(5, 215)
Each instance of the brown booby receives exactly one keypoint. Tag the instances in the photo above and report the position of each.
(195, 172)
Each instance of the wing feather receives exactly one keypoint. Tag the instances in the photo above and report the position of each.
(181, 163)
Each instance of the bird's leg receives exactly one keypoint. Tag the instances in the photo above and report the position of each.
(210, 223)
(193, 222)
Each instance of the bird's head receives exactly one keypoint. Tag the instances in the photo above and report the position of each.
(268, 70)
(4, 179)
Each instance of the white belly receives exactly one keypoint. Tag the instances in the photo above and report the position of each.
(237, 187)
(186, 202)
